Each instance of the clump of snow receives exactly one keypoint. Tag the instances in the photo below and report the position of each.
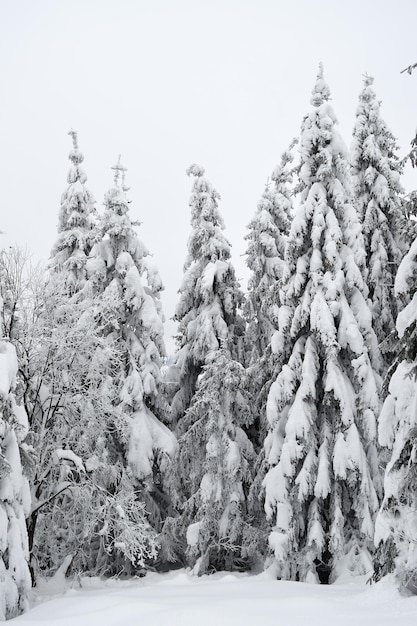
(192, 534)
(148, 436)
(69, 455)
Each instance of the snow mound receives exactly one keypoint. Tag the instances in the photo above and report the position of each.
(223, 598)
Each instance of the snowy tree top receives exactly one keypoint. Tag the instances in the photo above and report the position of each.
(367, 95)
(375, 166)
(321, 90)
(195, 170)
(76, 223)
(117, 169)
(368, 80)
(206, 240)
(75, 155)
(115, 199)
(74, 136)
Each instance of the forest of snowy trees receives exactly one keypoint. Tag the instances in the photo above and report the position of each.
(283, 434)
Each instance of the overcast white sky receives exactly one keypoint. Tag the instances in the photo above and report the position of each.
(167, 83)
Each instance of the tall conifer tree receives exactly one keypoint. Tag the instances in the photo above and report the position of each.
(127, 287)
(267, 236)
(207, 311)
(75, 225)
(396, 527)
(210, 410)
(376, 175)
(323, 479)
(268, 232)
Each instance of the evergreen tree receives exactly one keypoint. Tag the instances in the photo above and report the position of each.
(127, 287)
(376, 171)
(75, 225)
(323, 479)
(212, 472)
(209, 294)
(396, 526)
(15, 580)
(267, 235)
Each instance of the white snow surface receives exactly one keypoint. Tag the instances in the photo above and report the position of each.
(180, 599)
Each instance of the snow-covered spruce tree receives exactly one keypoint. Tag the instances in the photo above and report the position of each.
(75, 225)
(376, 176)
(323, 479)
(209, 294)
(268, 231)
(127, 286)
(396, 525)
(267, 235)
(15, 579)
(212, 472)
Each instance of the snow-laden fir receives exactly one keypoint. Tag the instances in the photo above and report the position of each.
(209, 294)
(75, 224)
(209, 408)
(323, 482)
(376, 170)
(265, 252)
(396, 528)
(267, 235)
(126, 286)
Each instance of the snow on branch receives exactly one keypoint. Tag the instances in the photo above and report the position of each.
(69, 455)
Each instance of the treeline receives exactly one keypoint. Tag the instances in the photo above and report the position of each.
(284, 434)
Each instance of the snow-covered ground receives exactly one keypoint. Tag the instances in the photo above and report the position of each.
(179, 599)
